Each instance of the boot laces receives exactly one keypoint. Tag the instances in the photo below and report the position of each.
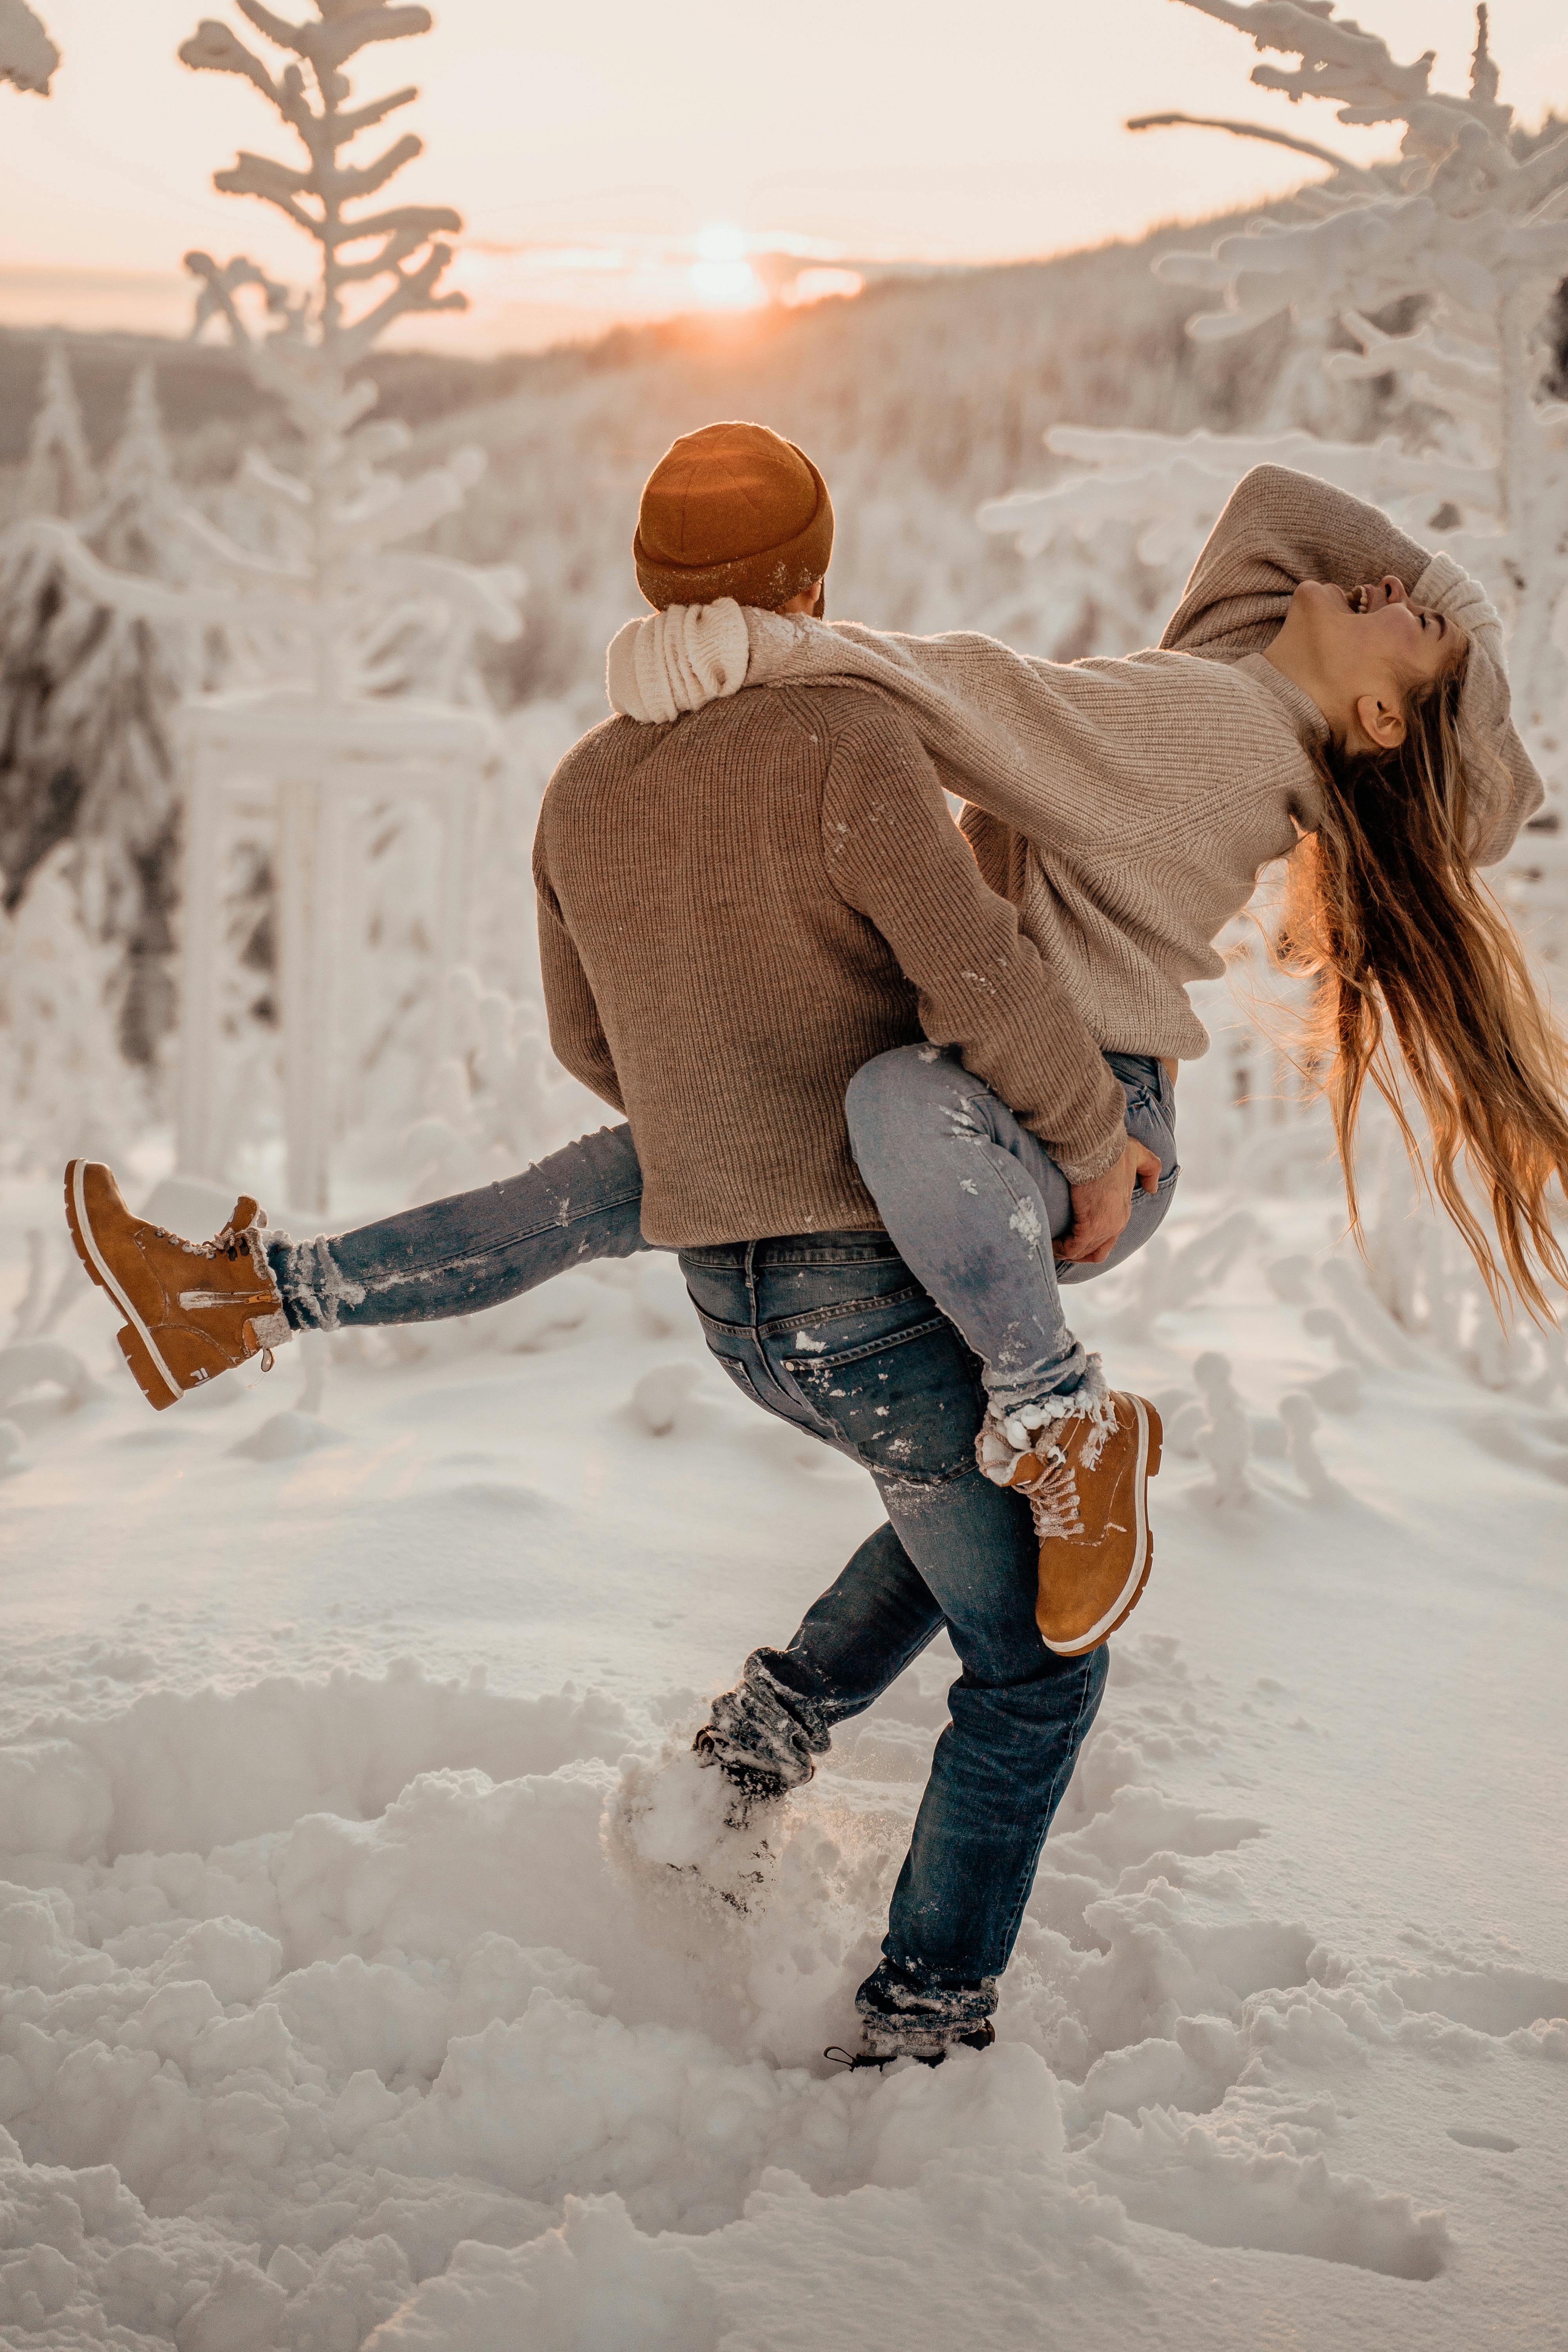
(1054, 1503)
(231, 1241)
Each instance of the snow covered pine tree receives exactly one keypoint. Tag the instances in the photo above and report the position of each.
(87, 690)
(38, 790)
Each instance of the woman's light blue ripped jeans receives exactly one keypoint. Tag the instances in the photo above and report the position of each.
(971, 1201)
(974, 1203)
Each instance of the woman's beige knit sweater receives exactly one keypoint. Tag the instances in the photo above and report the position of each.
(1126, 807)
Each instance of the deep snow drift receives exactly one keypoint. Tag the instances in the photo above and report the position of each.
(331, 2019)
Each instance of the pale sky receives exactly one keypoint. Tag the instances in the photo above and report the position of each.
(591, 147)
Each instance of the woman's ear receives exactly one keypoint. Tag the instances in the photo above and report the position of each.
(1381, 723)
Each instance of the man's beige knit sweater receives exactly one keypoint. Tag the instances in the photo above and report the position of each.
(736, 910)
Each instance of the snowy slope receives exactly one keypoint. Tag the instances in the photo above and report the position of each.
(332, 2021)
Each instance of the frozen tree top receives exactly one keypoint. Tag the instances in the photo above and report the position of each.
(318, 189)
(135, 525)
(322, 608)
(28, 55)
(1466, 219)
(58, 479)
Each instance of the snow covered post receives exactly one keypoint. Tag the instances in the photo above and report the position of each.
(363, 689)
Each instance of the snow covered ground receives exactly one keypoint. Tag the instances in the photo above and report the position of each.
(329, 2020)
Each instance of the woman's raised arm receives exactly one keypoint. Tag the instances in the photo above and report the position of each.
(1280, 528)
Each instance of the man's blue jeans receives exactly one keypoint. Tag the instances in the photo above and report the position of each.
(831, 1332)
(842, 1335)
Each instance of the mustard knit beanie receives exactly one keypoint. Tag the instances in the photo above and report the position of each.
(733, 510)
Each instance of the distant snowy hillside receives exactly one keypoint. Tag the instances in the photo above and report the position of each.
(919, 400)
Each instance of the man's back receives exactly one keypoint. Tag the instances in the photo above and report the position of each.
(738, 994)
(739, 909)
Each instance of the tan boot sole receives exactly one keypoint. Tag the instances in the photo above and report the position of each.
(148, 1369)
(1151, 1440)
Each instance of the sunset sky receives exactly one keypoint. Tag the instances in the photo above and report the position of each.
(619, 161)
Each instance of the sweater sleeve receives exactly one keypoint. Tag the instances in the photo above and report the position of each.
(1280, 528)
(893, 853)
(577, 1036)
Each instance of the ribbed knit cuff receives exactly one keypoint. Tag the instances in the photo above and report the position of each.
(1098, 1163)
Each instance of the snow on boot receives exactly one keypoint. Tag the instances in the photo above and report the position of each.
(688, 1814)
(902, 2018)
(764, 1726)
(193, 1309)
(748, 1785)
(870, 2054)
(1085, 1461)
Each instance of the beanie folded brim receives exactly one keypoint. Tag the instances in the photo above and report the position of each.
(1504, 787)
(768, 578)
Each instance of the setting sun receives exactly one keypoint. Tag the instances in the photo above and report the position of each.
(722, 277)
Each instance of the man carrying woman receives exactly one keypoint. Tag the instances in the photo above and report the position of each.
(887, 1090)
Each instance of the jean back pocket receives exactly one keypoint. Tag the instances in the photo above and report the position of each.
(906, 1402)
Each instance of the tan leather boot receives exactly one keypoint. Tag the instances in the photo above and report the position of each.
(1088, 1484)
(193, 1309)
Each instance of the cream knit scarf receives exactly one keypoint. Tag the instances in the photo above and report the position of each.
(677, 660)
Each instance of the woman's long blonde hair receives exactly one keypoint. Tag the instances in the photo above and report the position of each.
(1382, 904)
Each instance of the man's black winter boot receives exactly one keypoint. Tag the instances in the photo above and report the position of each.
(981, 2039)
(904, 2015)
(750, 1785)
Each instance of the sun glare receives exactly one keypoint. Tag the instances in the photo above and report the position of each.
(721, 277)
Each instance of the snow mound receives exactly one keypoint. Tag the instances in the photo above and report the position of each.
(204, 1771)
(596, 2281)
(346, 2002)
(321, 2054)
